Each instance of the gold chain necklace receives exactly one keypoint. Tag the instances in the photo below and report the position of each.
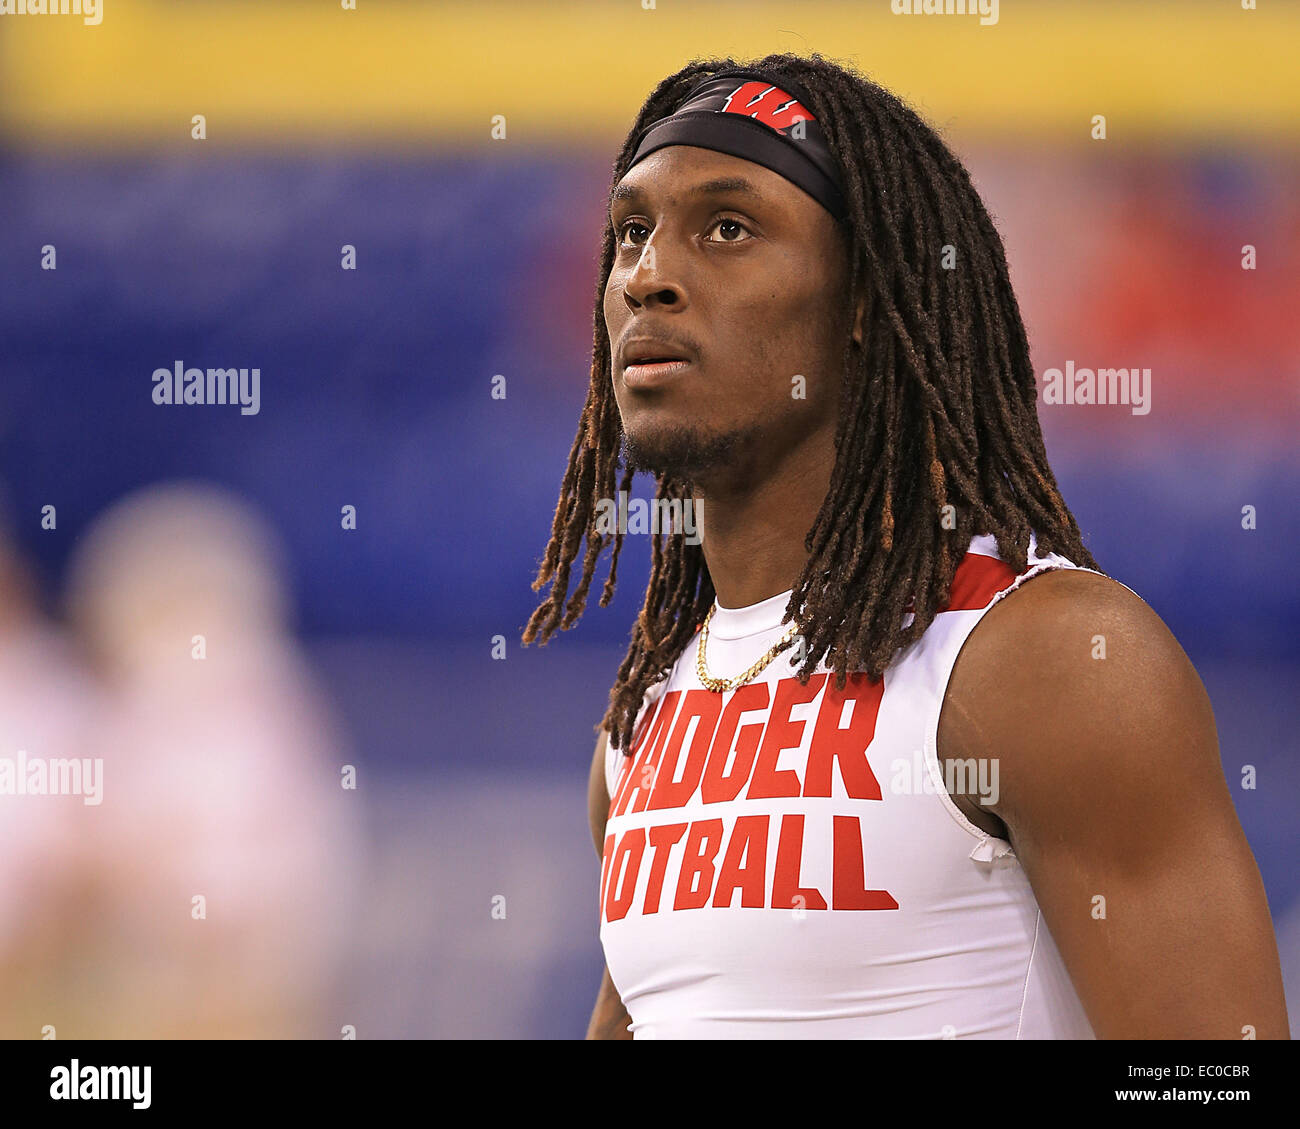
(720, 684)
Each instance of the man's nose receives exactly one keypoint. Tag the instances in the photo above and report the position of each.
(653, 280)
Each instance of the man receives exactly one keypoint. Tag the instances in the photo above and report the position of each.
(912, 828)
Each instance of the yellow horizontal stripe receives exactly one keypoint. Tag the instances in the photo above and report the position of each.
(437, 72)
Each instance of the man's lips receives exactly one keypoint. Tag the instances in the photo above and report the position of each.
(651, 374)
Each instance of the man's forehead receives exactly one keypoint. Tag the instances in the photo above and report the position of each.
(686, 190)
(706, 178)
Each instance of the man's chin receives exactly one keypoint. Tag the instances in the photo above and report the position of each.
(682, 453)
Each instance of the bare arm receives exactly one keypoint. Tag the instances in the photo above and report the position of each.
(1113, 791)
(609, 1019)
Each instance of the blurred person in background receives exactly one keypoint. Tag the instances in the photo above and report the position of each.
(47, 702)
(212, 884)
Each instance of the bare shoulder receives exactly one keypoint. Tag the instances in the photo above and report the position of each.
(1073, 673)
(1057, 610)
(1069, 634)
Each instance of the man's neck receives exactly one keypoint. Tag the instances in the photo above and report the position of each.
(753, 522)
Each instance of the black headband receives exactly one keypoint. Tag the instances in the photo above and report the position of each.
(748, 114)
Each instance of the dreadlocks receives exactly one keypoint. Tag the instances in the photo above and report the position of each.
(937, 439)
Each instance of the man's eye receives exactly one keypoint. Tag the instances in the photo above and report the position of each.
(730, 231)
(630, 223)
(729, 223)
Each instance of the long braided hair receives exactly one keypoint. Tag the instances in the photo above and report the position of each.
(937, 439)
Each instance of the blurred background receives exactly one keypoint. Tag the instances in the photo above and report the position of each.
(183, 595)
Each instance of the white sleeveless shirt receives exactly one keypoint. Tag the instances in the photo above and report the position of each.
(785, 861)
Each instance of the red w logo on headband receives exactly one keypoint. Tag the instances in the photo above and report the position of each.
(769, 104)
